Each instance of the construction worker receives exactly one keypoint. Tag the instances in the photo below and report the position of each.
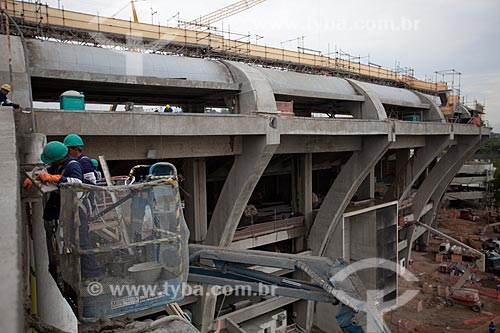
(492, 327)
(4, 101)
(75, 144)
(168, 108)
(95, 163)
(65, 169)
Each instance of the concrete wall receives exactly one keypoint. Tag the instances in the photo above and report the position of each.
(372, 233)
(11, 309)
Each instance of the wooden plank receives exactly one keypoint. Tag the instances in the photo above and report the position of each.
(118, 209)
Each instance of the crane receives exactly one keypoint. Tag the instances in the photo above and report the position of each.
(134, 12)
(221, 14)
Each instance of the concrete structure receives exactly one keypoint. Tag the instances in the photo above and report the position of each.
(253, 154)
(11, 238)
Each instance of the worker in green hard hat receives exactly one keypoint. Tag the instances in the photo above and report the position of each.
(65, 169)
(75, 147)
(95, 163)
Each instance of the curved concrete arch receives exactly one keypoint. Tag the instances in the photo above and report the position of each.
(351, 176)
(415, 167)
(440, 191)
(434, 113)
(256, 92)
(256, 96)
(453, 159)
(372, 108)
(441, 175)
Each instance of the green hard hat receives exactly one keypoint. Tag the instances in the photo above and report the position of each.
(54, 151)
(95, 163)
(73, 140)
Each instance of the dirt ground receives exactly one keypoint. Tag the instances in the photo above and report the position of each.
(435, 312)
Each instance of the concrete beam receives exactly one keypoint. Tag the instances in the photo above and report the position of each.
(11, 288)
(415, 166)
(144, 81)
(256, 310)
(116, 148)
(352, 174)
(317, 144)
(407, 141)
(272, 238)
(196, 203)
(323, 126)
(105, 123)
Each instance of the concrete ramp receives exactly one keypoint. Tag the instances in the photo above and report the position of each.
(10, 225)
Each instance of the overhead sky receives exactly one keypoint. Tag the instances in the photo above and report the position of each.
(426, 35)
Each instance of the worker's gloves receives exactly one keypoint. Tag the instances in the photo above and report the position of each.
(27, 184)
(46, 177)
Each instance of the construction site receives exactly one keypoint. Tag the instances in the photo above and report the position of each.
(237, 187)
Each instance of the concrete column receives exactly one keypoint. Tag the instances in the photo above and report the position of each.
(302, 202)
(204, 310)
(440, 191)
(244, 175)
(440, 176)
(302, 186)
(366, 190)
(402, 158)
(256, 96)
(240, 183)
(443, 170)
(346, 184)
(52, 306)
(409, 173)
(350, 178)
(11, 278)
(196, 203)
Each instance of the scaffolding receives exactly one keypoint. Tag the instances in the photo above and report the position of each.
(43, 22)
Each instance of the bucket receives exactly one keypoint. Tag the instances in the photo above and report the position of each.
(146, 273)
